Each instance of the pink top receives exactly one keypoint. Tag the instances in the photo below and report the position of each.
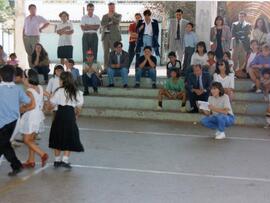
(32, 25)
(13, 62)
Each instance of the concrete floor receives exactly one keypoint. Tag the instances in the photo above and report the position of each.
(129, 161)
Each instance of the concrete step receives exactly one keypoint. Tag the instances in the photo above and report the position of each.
(240, 84)
(163, 115)
(152, 93)
(139, 103)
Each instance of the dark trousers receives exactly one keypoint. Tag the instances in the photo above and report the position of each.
(187, 59)
(193, 98)
(92, 81)
(132, 52)
(5, 145)
(90, 41)
(44, 70)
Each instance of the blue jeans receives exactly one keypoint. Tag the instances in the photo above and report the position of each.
(123, 72)
(142, 71)
(147, 41)
(218, 121)
(92, 81)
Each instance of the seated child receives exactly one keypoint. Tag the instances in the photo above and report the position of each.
(13, 60)
(211, 62)
(173, 64)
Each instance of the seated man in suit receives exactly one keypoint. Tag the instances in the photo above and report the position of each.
(198, 87)
(118, 64)
(146, 63)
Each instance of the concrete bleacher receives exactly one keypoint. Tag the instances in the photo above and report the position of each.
(141, 103)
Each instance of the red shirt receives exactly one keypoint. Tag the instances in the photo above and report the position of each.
(132, 28)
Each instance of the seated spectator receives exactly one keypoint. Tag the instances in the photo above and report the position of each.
(173, 64)
(74, 71)
(260, 62)
(220, 115)
(13, 60)
(211, 62)
(265, 83)
(227, 57)
(118, 64)
(146, 64)
(255, 50)
(40, 61)
(3, 57)
(224, 76)
(198, 87)
(91, 73)
(174, 88)
(190, 41)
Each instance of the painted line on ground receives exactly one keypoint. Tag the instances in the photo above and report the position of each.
(169, 134)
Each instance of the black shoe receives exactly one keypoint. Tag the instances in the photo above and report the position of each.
(18, 140)
(125, 86)
(57, 164)
(14, 172)
(193, 111)
(137, 85)
(110, 85)
(154, 86)
(66, 165)
(85, 93)
(95, 91)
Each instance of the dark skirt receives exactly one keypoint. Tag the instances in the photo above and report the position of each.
(64, 134)
(65, 52)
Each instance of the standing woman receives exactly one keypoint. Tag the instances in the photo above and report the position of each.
(220, 115)
(220, 37)
(64, 134)
(65, 31)
(40, 61)
(259, 32)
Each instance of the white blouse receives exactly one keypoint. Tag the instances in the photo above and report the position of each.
(60, 98)
(197, 59)
(53, 84)
(227, 82)
(65, 40)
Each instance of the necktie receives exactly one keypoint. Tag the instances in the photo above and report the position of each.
(198, 83)
(178, 30)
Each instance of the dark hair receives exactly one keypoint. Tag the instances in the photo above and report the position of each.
(111, 3)
(211, 53)
(7, 73)
(147, 47)
(179, 11)
(32, 76)
(12, 54)
(265, 71)
(18, 72)
(254, 40)
(71, 61)
(1, 47)
(138, 14)
(64, 13)
(176, 71)
(43, 54)
(58, 67)
(218, 86)
(117, 43)
(32, 5)
(264, 29)
(227, 67)
(201, 44)
(243, 13)
(69, 85)
(147, 13)
(219, 18)
(172, 53)
(90, 5)
(191, 24)
(266, 46)
(228, 54)
(197, 65)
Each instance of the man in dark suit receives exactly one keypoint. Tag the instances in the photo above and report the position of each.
(148, 34)
(198, 87)
(118, 64)
(241, 40)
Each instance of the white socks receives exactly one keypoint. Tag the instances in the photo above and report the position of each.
(65, 159)
(57, 158)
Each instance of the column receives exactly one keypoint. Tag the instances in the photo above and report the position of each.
(18, 36)
(206, 12)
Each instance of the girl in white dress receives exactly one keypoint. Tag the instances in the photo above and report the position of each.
(31, 122)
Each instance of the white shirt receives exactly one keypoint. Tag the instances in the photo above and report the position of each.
(87, 20)
(53, 84)
(65, 40)
(197, 59)
(60, 98)
(148, 30)
(221, 102)
(227, 82)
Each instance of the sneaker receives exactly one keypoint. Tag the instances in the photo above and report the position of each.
(137, 85)
(217, 133)
(66, 165)
(159, 107)
(110, 85)
(14, 172)
(125, 86)
(220, 136)
(258, 91)
(183, 109)
(154, 86)
(253, 88)
(57, 164)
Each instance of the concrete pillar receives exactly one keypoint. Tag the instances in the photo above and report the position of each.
(18, 37)
(206, 12)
